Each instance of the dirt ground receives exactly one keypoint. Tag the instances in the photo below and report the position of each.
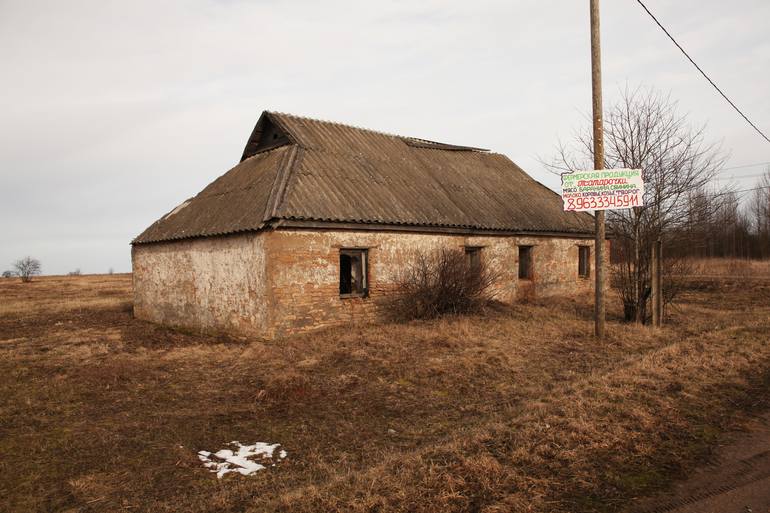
(736, 480)
(519, 409)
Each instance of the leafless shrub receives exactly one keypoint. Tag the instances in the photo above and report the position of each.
(8, 274)
(631, 277)
(26, 268)
(676, 274)
(76, 272)
(438, 283)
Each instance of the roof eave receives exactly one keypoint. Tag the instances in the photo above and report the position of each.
(423, 228)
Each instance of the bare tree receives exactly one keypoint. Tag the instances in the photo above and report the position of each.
(644, 130)
(730, 227)
(26, 268)
(759, 213)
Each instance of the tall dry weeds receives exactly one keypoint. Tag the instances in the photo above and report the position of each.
(444, 281)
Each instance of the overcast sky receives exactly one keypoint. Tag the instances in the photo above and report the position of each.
(114, 112)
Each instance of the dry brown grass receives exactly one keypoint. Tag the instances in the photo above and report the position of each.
(61, 294)
(732, 267)
(518, 409)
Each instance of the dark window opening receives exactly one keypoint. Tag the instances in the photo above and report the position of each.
(525, 262)
(474, 257)
(353, 280)
(584, 261)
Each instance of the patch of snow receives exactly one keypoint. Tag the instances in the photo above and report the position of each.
(241, 458)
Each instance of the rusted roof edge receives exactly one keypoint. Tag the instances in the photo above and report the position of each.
(416, 142)
(422, 228)
(180, 238)
(161, 218)
(386, 227)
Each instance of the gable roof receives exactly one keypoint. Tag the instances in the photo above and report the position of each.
(305, 170)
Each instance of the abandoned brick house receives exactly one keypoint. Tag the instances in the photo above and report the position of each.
(318, 218)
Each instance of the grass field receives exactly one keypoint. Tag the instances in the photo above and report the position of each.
(518, 409)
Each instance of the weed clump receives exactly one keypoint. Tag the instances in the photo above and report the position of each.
(442, 282)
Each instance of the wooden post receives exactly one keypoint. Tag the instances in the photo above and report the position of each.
(598, 134)
(657, 289)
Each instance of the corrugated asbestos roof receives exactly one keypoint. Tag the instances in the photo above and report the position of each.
(303, 169)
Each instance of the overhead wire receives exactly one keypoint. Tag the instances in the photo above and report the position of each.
(745, 166)
(739, 177)
(702, 72)
(741, 191)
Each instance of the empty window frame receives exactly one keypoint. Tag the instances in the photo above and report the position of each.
(473, 254)
(353, 273)
(584, 261)
(525, 262)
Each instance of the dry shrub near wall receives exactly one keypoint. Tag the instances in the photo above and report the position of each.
(634, 287)
(438, 283)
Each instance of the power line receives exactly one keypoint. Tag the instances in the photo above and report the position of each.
(702, 72)
(754, 189)
(744, 166)
(744, 177)
(741, 191)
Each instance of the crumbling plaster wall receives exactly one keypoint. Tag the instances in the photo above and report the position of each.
(303, 271)
(214, 283)
(284, 281)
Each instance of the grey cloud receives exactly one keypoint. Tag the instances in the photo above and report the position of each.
(114, 112)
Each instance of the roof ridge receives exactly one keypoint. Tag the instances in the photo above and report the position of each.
(427, 144)
(402, 138)
(330, 122)
(278, 189)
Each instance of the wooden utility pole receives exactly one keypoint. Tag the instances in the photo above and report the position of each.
(657, 288)
(596, 90)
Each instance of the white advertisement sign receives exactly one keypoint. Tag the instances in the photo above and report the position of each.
(603, 189)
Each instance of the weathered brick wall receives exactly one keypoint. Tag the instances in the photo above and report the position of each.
(215, 283)
(303, 271)
(284, 281)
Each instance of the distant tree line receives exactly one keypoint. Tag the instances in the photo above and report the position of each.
(730, 229)
(26, 268)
